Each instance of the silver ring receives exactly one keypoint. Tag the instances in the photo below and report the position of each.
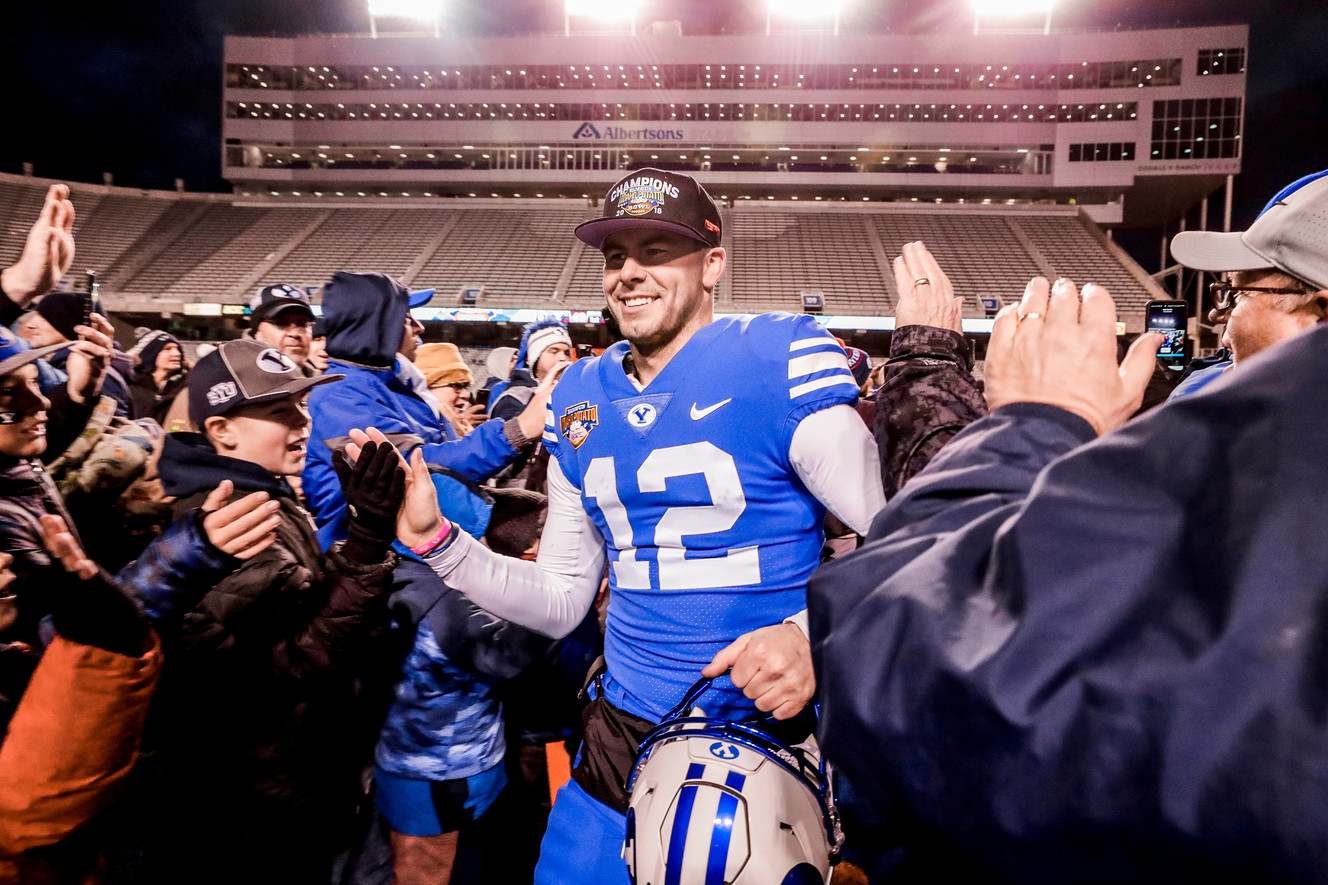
(921, 281)
(1034, 315)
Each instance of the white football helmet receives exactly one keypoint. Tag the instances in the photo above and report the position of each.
(724, 803)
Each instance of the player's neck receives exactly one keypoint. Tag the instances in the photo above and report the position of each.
(647, 363)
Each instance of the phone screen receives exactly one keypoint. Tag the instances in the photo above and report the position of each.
(481, 397)
(1169, 318)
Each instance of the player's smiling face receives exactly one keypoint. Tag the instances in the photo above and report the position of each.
(659, 285)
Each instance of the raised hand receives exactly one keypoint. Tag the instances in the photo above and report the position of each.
(48, 251)
(374, 484)
(89, 359)
(418, 520)
(926, 297)
(60, 543)
(531, 419)
(1053, 349)
(242, 528)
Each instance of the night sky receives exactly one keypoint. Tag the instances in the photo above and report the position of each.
(135, 88)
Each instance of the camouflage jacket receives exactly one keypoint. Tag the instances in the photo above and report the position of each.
(927, 396)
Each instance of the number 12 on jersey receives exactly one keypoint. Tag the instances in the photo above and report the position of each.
(739, 566)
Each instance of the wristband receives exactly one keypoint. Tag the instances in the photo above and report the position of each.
(435, 542)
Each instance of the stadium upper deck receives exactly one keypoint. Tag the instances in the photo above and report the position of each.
(1134, 125)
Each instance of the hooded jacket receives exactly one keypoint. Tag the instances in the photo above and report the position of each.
(365, 315)
(1060, 658)
(261, 729)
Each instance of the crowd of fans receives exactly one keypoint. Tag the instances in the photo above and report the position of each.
(246, 632)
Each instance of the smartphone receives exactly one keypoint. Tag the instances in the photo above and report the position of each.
(480, 398)
(91, 298)
(1170, 318)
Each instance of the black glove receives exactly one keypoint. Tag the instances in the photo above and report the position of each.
(96, 612)
(374, 487)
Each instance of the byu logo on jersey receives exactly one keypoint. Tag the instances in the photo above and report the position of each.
(577, 422)
(642, 415)
(723, 751)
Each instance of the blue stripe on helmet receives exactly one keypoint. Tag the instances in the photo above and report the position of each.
(681, 819)
(722, 834)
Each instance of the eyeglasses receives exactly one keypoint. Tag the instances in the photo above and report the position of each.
(1224, 293)
(458, 386)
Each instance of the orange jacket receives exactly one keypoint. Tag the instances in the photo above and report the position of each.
(70, 746)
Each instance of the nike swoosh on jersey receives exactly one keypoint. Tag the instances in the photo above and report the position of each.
(698, 414)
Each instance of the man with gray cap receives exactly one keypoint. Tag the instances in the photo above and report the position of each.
(1276, 273)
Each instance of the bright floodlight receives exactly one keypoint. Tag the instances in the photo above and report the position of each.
(1012, 7)
(422, 10)
(806, 8)
(602, 9)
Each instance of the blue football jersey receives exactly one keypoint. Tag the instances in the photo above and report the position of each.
(709, 531)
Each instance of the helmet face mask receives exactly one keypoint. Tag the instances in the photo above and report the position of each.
(728, 803)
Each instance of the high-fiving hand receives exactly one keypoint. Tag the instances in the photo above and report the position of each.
(926, 297)
(419, 519)
(1053, 349)
(48, 251)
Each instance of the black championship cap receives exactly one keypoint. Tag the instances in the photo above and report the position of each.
(242, 372)
(655, 198)
(272, 300)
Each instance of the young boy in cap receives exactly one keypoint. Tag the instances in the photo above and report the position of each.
(262, 736)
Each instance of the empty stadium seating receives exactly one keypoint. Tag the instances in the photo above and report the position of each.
(176, 248)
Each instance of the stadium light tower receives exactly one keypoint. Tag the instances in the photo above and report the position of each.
(426, 11)
(1011, 9)
(803, 9)
(600, 11)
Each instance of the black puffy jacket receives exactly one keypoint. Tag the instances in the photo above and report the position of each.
(265, 727)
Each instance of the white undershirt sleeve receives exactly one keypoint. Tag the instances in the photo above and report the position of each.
(835, 456)
(550, 595)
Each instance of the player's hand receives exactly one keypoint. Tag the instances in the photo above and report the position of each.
(418, 520)
(531, 419)
(48, 251)
(60, 543)
(89, 359)
(772, 666)
(926, 297)
(1051, 349)
(242, 528)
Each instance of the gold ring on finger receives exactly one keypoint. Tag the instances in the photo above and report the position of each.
(921, 281)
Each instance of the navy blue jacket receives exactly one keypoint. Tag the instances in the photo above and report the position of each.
(1058, 659)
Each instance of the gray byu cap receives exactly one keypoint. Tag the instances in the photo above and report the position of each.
(1290, 235)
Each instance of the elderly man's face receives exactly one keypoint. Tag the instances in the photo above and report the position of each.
(1258, 320)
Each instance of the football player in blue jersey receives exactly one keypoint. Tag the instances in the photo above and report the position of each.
(698, 457)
